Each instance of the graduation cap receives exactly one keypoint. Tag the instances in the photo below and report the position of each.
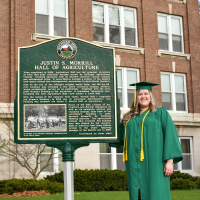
(142, 86)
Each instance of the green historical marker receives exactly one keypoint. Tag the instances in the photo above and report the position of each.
(66, 93)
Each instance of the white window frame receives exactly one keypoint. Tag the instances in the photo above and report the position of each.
(170, 45)
(122, 27)
(113, 155)
(51, 19)
(173, 96)
(179, 165)
(55, 161)
(124, 85)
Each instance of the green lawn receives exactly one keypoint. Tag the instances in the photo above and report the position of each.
(175, 194)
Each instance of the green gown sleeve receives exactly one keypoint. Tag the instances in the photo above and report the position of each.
(172, 147)
(121, 143)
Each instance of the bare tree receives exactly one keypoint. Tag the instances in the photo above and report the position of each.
(2, 145)
(26, 155)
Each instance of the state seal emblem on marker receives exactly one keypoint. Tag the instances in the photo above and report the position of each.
(66, 49)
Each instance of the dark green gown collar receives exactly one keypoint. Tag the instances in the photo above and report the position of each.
(143, 112)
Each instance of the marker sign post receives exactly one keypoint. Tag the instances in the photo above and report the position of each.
(66, 97)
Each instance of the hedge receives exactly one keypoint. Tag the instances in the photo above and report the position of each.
(182, 184)
(91, 180)
(95, 180)
(19, 185)
(103, 180)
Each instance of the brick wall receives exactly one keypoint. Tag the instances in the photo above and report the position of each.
(17, 23)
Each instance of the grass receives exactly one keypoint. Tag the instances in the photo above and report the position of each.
(175, 194)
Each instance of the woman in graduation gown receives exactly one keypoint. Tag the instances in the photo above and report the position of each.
(151, 147)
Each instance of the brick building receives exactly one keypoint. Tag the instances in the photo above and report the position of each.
(154, 40)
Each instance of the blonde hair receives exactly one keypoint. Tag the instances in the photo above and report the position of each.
(134, 110)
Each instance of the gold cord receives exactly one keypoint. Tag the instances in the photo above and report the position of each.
(142, 151)
(125, 155)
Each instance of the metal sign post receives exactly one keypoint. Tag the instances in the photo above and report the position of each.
(68, 180)
(68, 159)
(67, 150)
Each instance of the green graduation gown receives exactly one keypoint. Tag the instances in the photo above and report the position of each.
(160, 143)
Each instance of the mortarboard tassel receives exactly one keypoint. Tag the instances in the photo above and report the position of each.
(135, 95)
(141, 155)
(123, 157)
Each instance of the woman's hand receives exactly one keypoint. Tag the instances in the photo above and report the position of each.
(169, 167)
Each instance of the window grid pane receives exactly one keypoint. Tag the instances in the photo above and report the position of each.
(114, 18)
(98, 32)
(163, 41)
(175, 24)
(185, 145)
(131, 78)
(167, 100)
(114, 32)
(119, 78)
(105, 161)
(129, 19)
(43, 160)
(42, 24)
(41, 7)
(60, 8)
(130, 98)
(60, 25)
(130, 36)
(180, 102)
(120, 97)
(179, 83)
(98, 13)
(120, 163)
(165, 83)
(176, 42)
(162, 24)
(186, 162)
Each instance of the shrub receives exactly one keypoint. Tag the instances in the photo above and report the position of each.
(198, 183)
(58, 177)
(178, 174)
(95, 180)
(99, 180)
(19, 185)
(182, 184)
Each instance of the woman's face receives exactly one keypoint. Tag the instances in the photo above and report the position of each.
(144, 98)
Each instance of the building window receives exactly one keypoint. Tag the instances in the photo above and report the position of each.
(126, 76)
(170, 33)
(51, 17)
(173, 86)
(111, 158)
(55, 164)
(187, 162)
(114, 24)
